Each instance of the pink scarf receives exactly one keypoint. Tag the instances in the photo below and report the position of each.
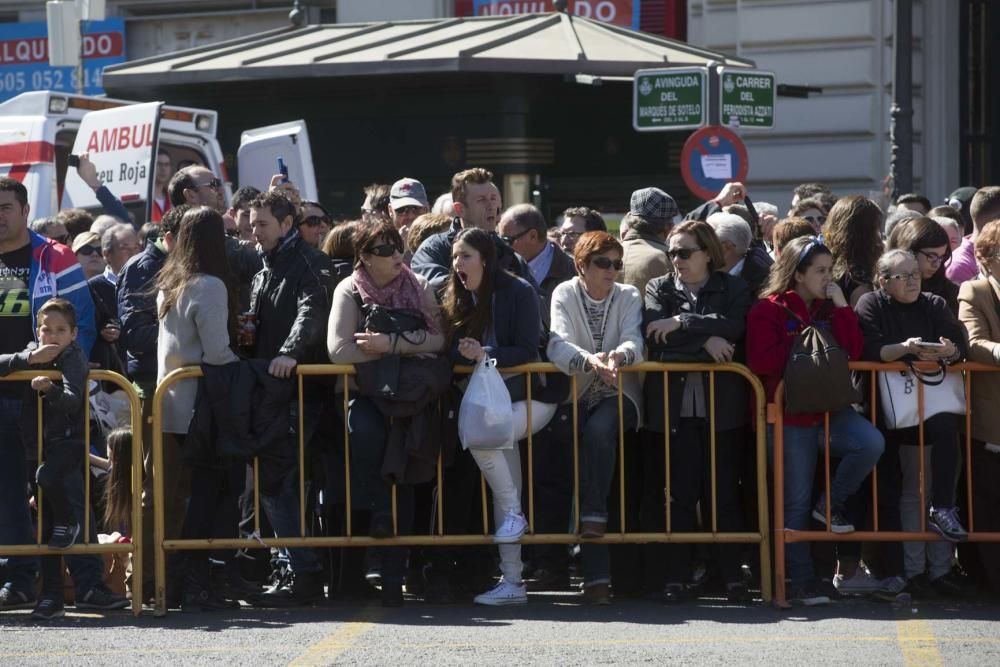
(402, 292)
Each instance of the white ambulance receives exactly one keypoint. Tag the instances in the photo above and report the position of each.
(38, 130)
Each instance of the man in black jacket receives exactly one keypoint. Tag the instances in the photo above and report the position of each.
(477, 204)
(290, 298)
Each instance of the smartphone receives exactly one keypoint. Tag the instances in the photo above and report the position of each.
(931, 346)
(283, 169)
(73, 161)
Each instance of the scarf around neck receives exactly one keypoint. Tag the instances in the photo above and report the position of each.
(403, 292)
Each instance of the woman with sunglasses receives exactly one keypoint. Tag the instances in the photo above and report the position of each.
(901, 322)
(697, 313)
(492, 313)
(800, 292)
(929, 243)
(595, 332)
(380, 278)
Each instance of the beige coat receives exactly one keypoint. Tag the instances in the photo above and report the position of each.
(644, 258)
(977, 309)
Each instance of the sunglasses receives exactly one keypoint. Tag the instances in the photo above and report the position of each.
(315, 221)
(385, 250)
(215, 184)
(815, 219)
(510, 239)
(683, 253)
(607, 263)
(89, 250)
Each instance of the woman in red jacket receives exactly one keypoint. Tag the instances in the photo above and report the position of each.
(802, 281)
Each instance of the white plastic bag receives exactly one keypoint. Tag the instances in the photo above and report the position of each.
(485, 418)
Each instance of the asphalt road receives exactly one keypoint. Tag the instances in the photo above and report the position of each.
(551, 629)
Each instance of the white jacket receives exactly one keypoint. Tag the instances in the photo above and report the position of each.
(570, 335)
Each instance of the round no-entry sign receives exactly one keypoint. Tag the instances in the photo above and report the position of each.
(712, 157)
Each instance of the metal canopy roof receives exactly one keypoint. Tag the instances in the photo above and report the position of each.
(552, 43)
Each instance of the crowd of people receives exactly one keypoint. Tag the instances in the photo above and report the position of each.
(410, 291)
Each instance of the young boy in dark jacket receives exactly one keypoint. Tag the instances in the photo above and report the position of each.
(60, 475)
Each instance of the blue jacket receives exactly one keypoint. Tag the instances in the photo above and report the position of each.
(55, 272)
(137, 310)
(516, 322)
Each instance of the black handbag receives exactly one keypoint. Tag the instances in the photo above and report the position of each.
(382, 319)
(404, 323)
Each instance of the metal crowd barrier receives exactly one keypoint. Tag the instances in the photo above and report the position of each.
(783, 536)
(761, 537)
(39, 549)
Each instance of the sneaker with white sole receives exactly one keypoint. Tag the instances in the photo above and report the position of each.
(944, 521)
(511, 529)
(860, 583)
(504, 593)
(838, 522)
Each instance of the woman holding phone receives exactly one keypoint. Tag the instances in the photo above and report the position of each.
(902, 323)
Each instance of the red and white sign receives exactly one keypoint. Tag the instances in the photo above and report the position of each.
(121, 142)
(619, 12)
(26, 50)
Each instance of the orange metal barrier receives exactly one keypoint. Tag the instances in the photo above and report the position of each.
(760, 537)
(39, 549)
(783, 536)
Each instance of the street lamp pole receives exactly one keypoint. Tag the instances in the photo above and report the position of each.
(901, 132)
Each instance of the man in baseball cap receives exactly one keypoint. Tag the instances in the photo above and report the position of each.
(407, 202)
(652, 212)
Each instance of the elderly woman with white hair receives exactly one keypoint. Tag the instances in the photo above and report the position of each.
(741, 259)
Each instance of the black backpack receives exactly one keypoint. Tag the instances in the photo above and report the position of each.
(817, 376)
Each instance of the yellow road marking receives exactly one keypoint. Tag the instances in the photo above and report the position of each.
(917, 642)
(326, 650)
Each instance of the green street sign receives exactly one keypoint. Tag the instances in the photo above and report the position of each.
(669, 99)
(747, 99)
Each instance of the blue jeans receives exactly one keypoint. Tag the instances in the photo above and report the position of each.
(598, 458)
(15, 521)
(283, 513)
(858, 445)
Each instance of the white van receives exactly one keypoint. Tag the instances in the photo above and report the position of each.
(38, 129)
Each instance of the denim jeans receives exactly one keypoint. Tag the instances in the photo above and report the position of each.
(283, 513)
(15, 521)
(598, 458)
(855, 442)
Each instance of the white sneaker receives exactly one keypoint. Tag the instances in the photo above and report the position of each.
(860, 582)
(511, 529)
(503, 593)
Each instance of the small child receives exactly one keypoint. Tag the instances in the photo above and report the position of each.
(60, 474)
